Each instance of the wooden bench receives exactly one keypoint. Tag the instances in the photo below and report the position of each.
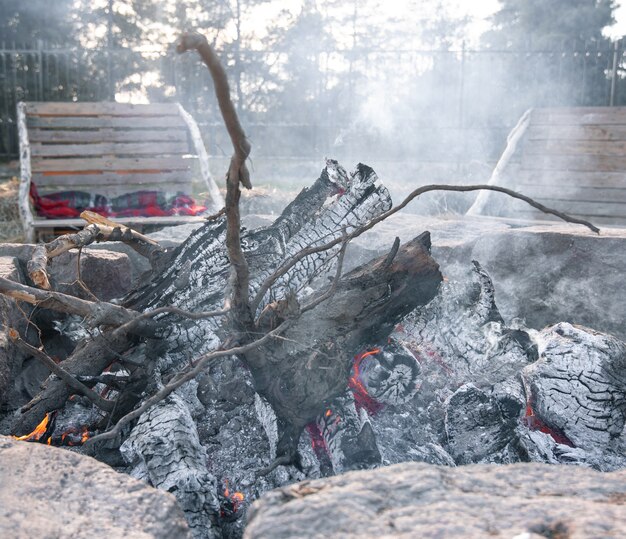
(572, 159)
(110, 149)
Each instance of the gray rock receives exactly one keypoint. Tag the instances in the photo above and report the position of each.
(543, 273)
(51, 492)
(106, 274)
(419, 500)
(10, 317)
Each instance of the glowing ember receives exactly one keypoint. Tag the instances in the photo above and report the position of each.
(232, 501)
(361, 396)
(39, 434)
(74, 436)
(237, 498)
(535, 423)
(317, 440)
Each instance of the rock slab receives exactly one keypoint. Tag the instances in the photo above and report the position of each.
(518, 501)
(51, 492)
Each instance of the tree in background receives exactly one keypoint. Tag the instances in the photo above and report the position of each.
(25, 23)
(534, 25)
(562, 56)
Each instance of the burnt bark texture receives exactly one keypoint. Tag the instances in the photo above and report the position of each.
(300, 374)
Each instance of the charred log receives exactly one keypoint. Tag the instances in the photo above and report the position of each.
(300, 374)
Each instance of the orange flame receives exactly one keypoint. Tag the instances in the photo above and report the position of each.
(39, 431)
(237, 498)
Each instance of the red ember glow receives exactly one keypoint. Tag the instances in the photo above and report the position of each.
(317, 440)
(533, 422)
(362, 398)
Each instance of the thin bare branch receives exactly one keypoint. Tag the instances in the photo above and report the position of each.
(284, 460)
(79, 278)
(183, 377)
(102, 229)
(101, 312)
(291, 262)
(392, 253)
(216, 216)
(194, 40)
(70, 380)
(237, 174)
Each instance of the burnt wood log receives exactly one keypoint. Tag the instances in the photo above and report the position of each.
(310, 366)
(197, 273)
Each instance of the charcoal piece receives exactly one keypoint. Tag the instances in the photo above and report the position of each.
(348, 435)
(165, 445)
(511, 397)
(578, 385)
(475, 428)
(460, 337)
(390, 376)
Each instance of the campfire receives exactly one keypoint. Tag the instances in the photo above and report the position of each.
(251, 359)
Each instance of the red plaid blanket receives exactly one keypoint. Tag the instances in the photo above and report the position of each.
(68, 204)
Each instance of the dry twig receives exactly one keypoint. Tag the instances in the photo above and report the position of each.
(70, 380)
(183, 377)
(291, 262)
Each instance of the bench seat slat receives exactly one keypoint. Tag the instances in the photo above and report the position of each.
(572, 178)
(579, 116)
(576, 132)
(575, 147)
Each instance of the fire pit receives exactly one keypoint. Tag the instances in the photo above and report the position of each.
(250, 359)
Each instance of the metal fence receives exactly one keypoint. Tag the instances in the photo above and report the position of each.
(389, 106)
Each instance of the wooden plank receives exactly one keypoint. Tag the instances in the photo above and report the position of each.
(581, 163)
(109, 148)
(582, 116)
(167, 220)
(572, 193)
(111, 178)
(572, 178)
(41, 164)
(108, 135)
(97, 108)
(112, 191)
(573, 147)
(576, 132)
(126, 122)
